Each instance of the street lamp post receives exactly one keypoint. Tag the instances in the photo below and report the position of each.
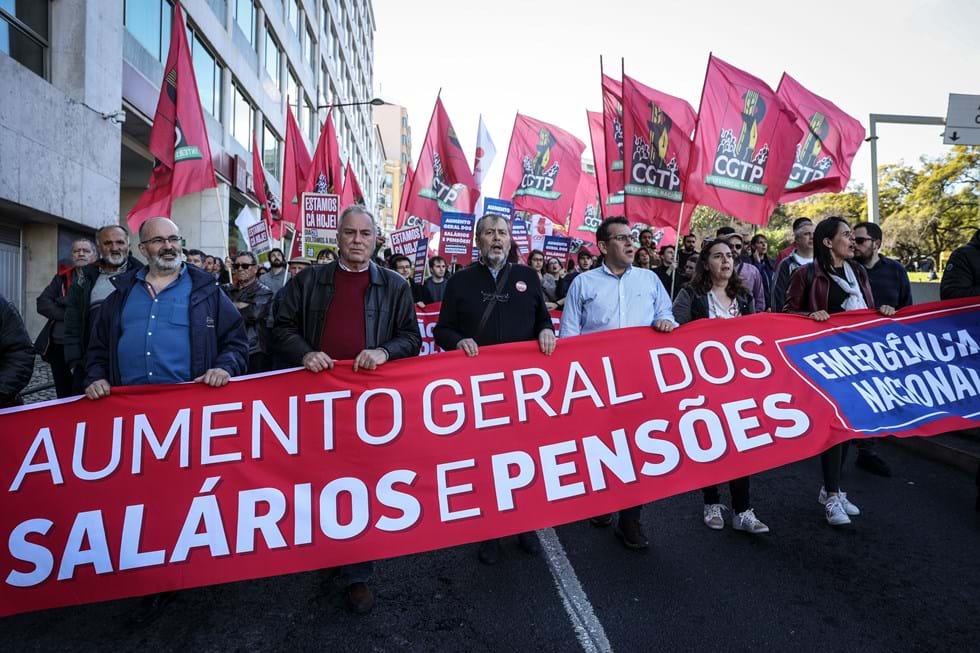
(374, 102)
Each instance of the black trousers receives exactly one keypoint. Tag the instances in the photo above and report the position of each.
(739, 488)
(60, 372)
(831, 462)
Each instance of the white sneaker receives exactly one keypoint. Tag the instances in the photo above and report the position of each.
(834, 511)
(747, 521)
(849, 507)
(712, 516)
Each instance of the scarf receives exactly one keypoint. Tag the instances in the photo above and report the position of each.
(855, 298)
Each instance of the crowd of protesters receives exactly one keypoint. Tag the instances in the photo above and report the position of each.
(186, 316)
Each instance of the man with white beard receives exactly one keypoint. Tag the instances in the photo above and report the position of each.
(89, 289)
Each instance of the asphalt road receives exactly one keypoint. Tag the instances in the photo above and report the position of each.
(904, 577)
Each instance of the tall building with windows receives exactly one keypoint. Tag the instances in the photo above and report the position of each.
(79, 81)
(391, 121)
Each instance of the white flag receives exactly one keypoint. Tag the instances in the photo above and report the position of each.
(485, 151)
(246, 218)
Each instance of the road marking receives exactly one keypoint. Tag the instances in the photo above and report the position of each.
(591, 635)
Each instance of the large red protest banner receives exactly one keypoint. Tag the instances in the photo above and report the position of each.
(167, 487)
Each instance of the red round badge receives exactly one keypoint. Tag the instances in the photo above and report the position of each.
(521, 286)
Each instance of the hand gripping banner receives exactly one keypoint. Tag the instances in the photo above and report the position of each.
(167, 487)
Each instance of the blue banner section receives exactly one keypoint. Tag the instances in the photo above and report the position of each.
(498, 206)
(897, 376)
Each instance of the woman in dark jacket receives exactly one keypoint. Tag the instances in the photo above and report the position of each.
(833, 283)
(716, 292)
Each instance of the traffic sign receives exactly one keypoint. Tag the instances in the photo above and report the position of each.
(962, 120)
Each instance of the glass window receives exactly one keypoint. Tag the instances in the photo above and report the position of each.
(310, 45)
(273, 56)
(292, 90)
(149, 23)
(311, 126)
(245, 18)
(207, 70)
(24, 33)
(271, 151)
(242, 117)
(292, 11)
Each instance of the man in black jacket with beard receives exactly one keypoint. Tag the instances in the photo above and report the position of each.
(490, 303)
(351, 309)
(962, 279)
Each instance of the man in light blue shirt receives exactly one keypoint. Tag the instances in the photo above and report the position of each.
(613, 296)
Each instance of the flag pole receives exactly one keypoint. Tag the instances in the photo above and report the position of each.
(677, 240)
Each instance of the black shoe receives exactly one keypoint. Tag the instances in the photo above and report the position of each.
(631, 534)
(530, 543)
(360, 598)
(873, 464)
(150, 608)
(602, 521)
(489, 552)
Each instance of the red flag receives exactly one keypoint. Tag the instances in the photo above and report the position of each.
(268, 204)
(744, 146)
(325, 170)
(403, 201)
(295, 169)
(352, 190)
(178, 138)
(443, 180)
(542, 170)
(597, 137)
(657, 136)
(586, 215)
(831, 138)
(612, 120)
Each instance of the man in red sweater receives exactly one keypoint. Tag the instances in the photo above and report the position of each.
(350, 309)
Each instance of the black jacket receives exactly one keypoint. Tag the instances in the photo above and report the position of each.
(217, 334)
(690, 305)
(259, 300)
(16, 355)
(78, 320)
(962, 275)
(389, 314)
(51, 304)
(519, 314)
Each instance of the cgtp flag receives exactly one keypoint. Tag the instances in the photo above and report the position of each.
(352, 190)
(295, 168)
(403, 200)
(443, 181)
(744, 146)
(586, 215)
(597, 138)
(831, 138)
(326, 174)
(485, 153)
(657, 139)
(612, 120)
(542, 170)
(178, 138)
(268, 203)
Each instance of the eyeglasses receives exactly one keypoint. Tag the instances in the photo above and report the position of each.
(736, 246)
(241, 266)
(860, 240)
(621, 238)
(159, 240)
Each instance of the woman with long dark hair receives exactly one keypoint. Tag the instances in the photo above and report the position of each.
(832, 283)
(716, 292)
(643, 259)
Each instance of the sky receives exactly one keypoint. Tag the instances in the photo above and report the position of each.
(542, 59)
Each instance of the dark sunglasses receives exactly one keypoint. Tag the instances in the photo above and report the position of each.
(241, 266)
(860, 240)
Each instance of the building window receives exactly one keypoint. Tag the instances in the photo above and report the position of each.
(293, 91)
(271, 151)
(149, 23)
(324, 80)
(245, 18)
(310, 125)
(24, 33)
(310, 46)
(242, 118)
(207, 70)
(273, 56)
(292, 11)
